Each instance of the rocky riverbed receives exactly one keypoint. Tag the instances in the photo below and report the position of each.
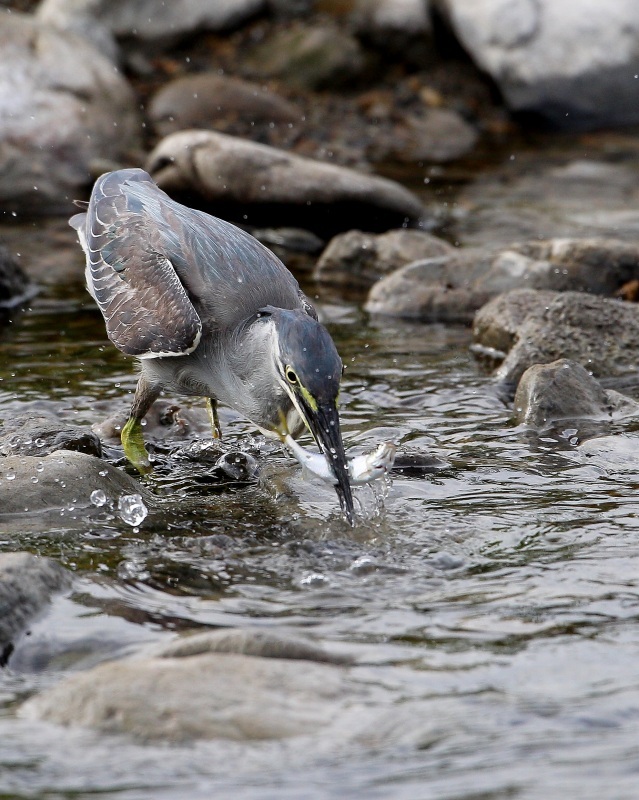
(460, 202)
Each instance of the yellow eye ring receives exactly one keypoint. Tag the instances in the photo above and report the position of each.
(291, 377)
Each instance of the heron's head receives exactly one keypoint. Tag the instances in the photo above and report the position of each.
(309, 370)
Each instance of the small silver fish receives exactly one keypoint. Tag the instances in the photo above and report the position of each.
(362, 469)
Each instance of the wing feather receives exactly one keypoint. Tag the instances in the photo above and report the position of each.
(146, 308)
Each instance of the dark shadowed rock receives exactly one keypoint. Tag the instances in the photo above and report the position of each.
(41, 434)
(64, 106)
(202, 693)
(15, 287)
(309, 57)
(600, 334)
(566, 390)
(569, 62)
(357, 260)
(27, 583)
(208, 99)
(235, 176)
(61, 480)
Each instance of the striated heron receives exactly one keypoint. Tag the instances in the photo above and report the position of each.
(211, 312)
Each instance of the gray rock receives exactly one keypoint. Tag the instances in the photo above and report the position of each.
(41, 434)
(59, 481)
(188, 695)
(496, 324)
(435, 289)
(436, 135)
(573, 63)
(599, 333)
(566, 390)
(15, 287)
(229, 171)
(148, 20)
(458, 284)
(27, 583)
(309, 57)
(64, 106)
(357, 260)
(207, 99)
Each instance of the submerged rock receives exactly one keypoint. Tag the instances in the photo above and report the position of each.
(62, 481)
(27, 583)
(566, 390)
(233, 175)
(63, 107)
(357, 260)
(599, 333)
(196, 690)
(571, 63)
(208, 100)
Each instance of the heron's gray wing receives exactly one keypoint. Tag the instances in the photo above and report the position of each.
(145, 306)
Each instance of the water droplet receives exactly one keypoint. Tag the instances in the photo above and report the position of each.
(10, 476)
(103, 473)
(132, 509)
(34, 479)
(98, 497)
(39, 443)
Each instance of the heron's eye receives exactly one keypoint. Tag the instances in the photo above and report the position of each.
(291, 377)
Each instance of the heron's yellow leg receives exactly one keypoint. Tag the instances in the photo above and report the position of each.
(134, 449)
(211, 407)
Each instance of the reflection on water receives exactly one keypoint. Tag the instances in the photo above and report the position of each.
(493, 604)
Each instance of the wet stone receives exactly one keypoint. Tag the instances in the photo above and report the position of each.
(39, 435)
(566, 390)
(62, 481)
(599, 333)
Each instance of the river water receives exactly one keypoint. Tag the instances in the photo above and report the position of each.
(492, 604)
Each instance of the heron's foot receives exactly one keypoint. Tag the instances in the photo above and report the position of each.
(134, 449)
(211, 407)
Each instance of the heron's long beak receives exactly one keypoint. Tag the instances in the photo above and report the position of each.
(324, 425)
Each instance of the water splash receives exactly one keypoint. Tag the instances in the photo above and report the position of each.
(131, 509)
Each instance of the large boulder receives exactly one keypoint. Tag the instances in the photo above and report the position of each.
(64, 110)
(572, 63)
(238, 178)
